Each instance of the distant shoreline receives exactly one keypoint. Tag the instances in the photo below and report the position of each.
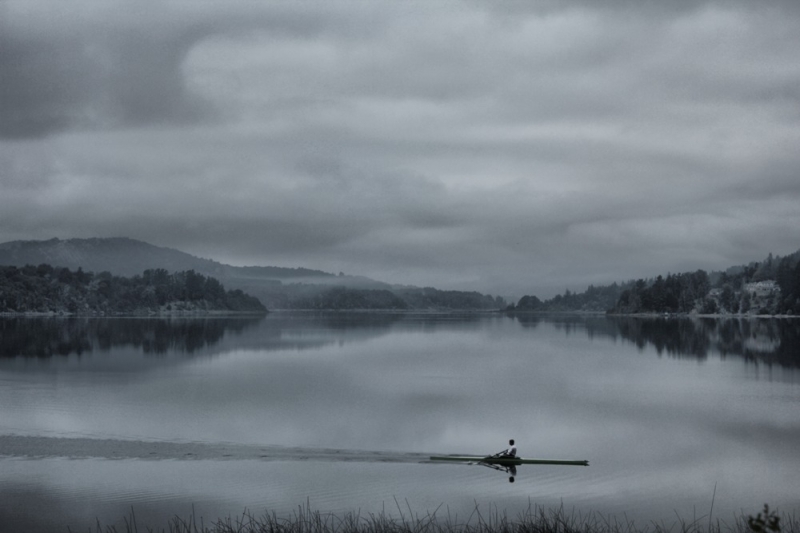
(649, 315)
(199, 313)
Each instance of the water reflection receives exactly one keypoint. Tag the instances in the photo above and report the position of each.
(511, 470)
(337, 408)
(49, 337)
(761, 340)
(764, 340)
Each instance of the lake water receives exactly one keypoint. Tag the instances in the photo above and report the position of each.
(340, 412)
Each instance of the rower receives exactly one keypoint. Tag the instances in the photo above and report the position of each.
(510, 452)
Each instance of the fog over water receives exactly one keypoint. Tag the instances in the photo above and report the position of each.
(507, 147)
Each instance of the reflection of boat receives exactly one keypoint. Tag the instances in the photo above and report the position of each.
(504, 460)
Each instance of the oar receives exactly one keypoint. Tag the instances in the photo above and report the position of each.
(501, 454)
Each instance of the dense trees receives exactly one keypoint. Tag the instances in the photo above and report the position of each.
(313, 296)
(45, 289)
(430, 298)
(788, 279)
(529, 303)
(679, 293)
(341, 298)
(59, 290)
(594, 299)
(769, 287)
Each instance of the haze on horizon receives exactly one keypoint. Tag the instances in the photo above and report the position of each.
(509, 147)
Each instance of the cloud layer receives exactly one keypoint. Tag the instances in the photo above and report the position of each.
(489, 146)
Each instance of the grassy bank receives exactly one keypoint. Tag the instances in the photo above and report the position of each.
(534, 520)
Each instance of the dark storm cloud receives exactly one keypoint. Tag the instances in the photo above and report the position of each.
(111, 64)
(502, 146)
(93, 77)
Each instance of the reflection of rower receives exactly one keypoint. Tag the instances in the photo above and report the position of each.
(511, 469)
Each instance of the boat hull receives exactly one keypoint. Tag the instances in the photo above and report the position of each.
(505, 461)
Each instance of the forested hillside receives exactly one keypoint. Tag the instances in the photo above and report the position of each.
(275, 287)
(769, 287)
(45, 289)
(309, 296)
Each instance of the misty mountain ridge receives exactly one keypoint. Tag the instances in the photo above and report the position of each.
(275, 287)
(128, 257)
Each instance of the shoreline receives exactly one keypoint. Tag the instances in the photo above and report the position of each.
(226, 313)
(143, 314)
(535, 519)
(666, 316)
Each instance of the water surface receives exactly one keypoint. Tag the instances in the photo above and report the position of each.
(341, 411)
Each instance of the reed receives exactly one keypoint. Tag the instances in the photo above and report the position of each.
(534, 519)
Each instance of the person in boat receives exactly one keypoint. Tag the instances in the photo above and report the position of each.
(510, 452)
(509, 469)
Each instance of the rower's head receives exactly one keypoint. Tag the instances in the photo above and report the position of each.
(511, 442)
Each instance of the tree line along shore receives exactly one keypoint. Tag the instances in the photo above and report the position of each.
(770, 287)
(45, 289)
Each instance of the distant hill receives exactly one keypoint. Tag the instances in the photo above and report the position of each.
(129, 257)
(275, 287)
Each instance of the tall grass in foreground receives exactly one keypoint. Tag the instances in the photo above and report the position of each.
(534, 520)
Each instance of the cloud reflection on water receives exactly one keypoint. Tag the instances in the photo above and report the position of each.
(658, 431)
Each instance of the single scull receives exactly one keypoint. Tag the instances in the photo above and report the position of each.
(504, 460)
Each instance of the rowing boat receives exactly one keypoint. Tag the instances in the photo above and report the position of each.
(504, 460)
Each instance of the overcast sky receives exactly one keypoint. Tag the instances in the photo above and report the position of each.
(508, 147)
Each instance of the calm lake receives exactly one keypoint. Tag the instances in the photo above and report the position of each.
(340, 412)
